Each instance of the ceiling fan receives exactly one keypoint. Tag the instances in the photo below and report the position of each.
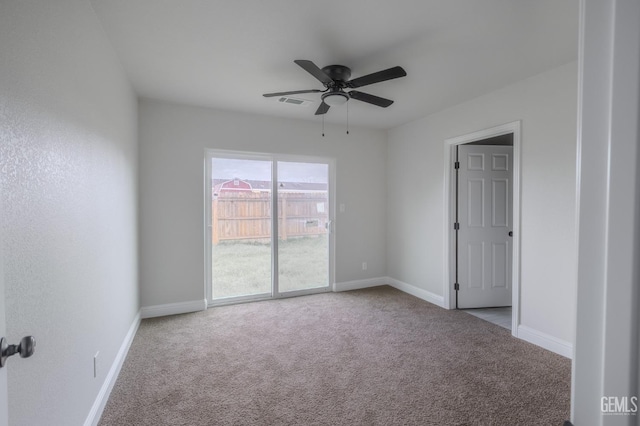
(335, 79)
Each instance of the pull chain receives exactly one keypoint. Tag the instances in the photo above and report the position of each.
(347, 117)
(323, 125)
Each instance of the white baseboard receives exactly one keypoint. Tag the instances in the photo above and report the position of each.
(357, 284)
(174, 308)
(546, 341)
(103, 396)
(417, 292)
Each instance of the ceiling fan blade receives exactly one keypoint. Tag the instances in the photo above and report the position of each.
(322, 109)
(377, 77)
(295, 92)
(371, 99)
(313, 69)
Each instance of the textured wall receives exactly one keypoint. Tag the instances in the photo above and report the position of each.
(68, 167)
(173, 139)
(547, 106)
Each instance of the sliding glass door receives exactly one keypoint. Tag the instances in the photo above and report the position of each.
(240, 228)
(250, 198)
(303, 224)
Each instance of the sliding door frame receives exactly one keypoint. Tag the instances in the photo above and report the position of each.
(274, 159)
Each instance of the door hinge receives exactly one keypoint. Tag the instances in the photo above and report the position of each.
(456, 286)
(456, 226)
(456, 165)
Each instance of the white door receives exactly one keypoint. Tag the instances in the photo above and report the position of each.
(485, 222)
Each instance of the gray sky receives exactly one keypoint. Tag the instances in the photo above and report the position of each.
(224, 168)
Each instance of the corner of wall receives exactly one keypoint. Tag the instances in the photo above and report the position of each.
(418, 292)
(173, 308)
(110, 380)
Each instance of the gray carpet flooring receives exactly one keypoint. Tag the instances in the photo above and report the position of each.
(367, 357)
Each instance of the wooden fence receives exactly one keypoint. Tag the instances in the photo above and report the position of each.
(247, 215)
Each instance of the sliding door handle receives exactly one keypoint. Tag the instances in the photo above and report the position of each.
(329, 226)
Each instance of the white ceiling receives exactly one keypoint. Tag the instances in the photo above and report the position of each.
(226, 53)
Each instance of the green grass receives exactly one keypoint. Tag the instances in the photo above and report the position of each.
(243, 268)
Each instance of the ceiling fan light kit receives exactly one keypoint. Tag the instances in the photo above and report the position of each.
(335, 79)
(336, 98)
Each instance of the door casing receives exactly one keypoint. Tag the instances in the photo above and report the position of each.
(449, 214)
(274, 158)
(4, 395)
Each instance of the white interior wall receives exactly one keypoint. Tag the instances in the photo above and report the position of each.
(546, 105)
(68, 172)
(173, 139)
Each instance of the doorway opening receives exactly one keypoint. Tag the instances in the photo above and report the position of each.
(249, 199)
(482, 234)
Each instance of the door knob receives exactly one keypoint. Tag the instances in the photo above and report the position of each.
(511, 233)
(25, 348)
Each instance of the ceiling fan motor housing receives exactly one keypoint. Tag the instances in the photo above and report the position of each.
(338, 72)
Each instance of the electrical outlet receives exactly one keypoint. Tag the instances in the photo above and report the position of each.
(364, 266)
(95, 364)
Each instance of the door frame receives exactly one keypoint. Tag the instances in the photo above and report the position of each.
(274, 158)
(449, 213)
(4, 386)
